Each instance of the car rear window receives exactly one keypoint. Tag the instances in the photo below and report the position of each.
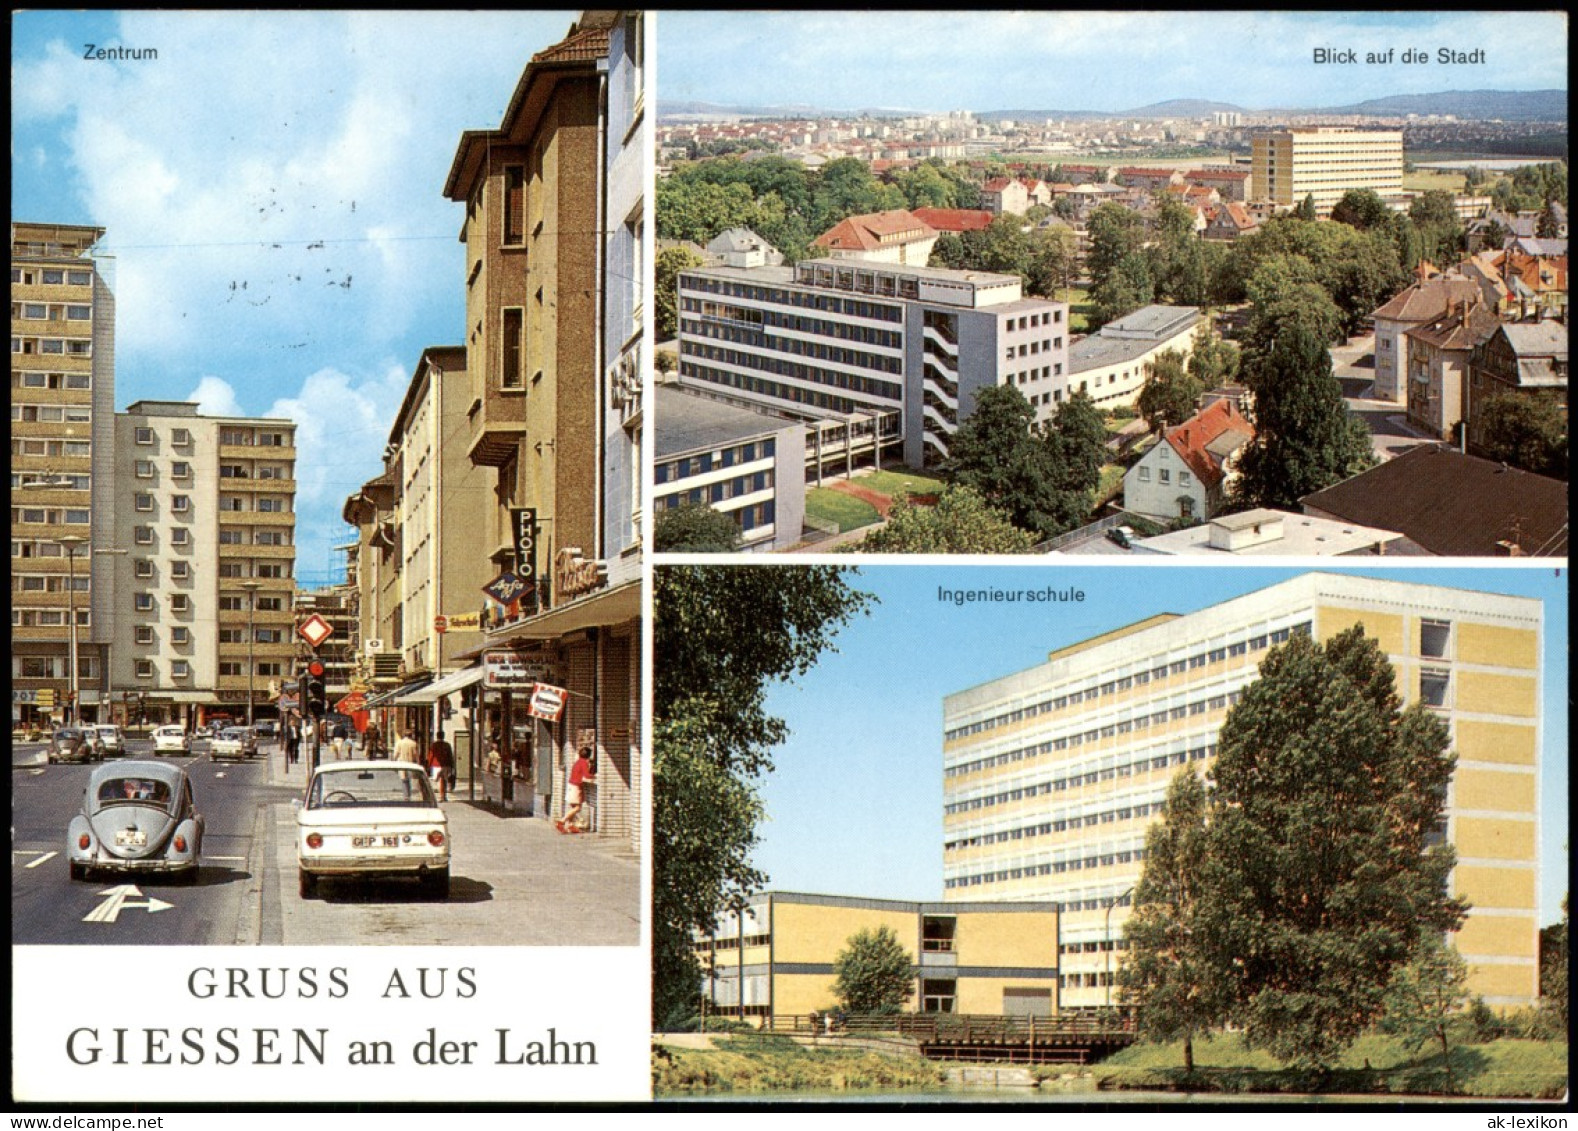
(377, 786)
(136, 791)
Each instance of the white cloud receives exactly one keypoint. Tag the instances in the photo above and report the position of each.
(214, 396)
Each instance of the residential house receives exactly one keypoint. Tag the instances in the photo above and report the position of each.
(1438, 353)
(1518, 359)
(1004, 194)
(1188, 474)
(1422, 303)
(895, 236)
(741, 247)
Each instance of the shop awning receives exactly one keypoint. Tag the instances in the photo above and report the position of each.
(604, 609)
(439, 688)
(390, 698)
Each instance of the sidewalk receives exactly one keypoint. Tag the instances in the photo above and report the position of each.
(514, 881)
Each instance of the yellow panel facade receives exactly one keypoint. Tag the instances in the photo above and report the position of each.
(803, 993)
(1489, 839)
(1506, 791)
(1484, 693)
(1512, 936)
(1479, 741)
(1494, 645)
(1384, 628)
(1495, 887)
(1492, 982)
(985, 995)
(987, 939)
(812, 933)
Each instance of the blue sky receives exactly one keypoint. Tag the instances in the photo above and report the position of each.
(272, 190)
(855, 801)
(952, 60)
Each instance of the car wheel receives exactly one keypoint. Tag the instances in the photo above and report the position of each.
(436, 884)
(79, 871)
(308, 884)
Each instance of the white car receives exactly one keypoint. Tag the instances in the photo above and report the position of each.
(370, 820)
(109, 738)
(233, 742)
(172, 740)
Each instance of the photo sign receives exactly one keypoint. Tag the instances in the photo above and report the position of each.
(523, 522)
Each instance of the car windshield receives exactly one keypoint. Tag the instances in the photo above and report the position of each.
(135, 791)
(377, 785)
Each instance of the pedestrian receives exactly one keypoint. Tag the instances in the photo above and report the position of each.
(339, 741)
(406, 750)
(574, 794)
(441, 766)
(372, 741)
(292, 740)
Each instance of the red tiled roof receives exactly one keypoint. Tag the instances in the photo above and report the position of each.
(1137, 171)
(1461, 326)
(996, 184)
(875, 230)
(955, 219)
(578, 47)
(1194, 439)
(1216, 175)
(1428, 299)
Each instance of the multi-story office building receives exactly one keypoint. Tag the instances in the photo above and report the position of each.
(775, 955)
(1325, 162)
(866, 339)
(205, 510)
(62, 470)
(1053, 775)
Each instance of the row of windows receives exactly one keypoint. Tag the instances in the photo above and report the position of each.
(687, 466)
(765, 388)
(830, 304)
(75, 449)
(54, 667)
(47, 618)
(68, 347)
(52, 311)
(820, 350)
(60, 482)
(1031, 349)
(47, 583)
(726, 489)
(51, 413)
(51, 277)
(50, 516)
(854, 383)
(37, 548)
(257, 471)
(1142, 762)
(29, 379)
(1112, 686)
(1165, 475)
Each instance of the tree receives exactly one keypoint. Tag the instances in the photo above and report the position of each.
(666, 269)
(1124, 289)
(1213, 361)
(1553, 969)
(724, 635)
(1306, 208)
(695, 528)
(1526, 431)
(1305, 438)
(1362, 209)
(1169, 977)
(1075, 440)
(1434, 216)
(873, 973)
(1054, 252)
(1425, 995)
(1326, 862)
(959, 523)
(1170, 391)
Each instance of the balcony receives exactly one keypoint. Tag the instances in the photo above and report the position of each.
(257, 451)
(252, 483)
(272, 553)
(257, 518)
(498, 430)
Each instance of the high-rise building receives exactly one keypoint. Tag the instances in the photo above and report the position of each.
(1053, 775)
(205, 512)
(62, 471)
(905, 349)
(1325, 162)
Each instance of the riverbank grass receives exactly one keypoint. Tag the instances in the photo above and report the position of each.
(755, 1064)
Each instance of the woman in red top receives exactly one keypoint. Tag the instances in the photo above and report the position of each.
(580, 776)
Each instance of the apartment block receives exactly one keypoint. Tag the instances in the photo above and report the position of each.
(1325, 162)
(775, 956)
(62, 469)
(873, 341)
(205, 510)
(1053, 775)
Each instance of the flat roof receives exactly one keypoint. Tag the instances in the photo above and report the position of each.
(1302, 535)
(690, 422)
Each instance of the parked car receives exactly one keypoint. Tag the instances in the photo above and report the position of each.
(110, 739)
(72, 744)
(137, 817)
(370, 820)
(266, 728)
(172, 739)
(237, 742)
(1122, 535)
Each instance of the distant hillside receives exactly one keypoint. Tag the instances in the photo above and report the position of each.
(1508, 105)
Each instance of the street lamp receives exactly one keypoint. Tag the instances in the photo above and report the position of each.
(70, 542)
(252, 588)
(1107, 933)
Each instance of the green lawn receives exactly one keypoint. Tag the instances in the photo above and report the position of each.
(834, 506)
(1425, 180)
(1079, 308)
(896, 483)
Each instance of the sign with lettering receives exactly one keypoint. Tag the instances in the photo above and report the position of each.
(507, 668)
(575, 575)
(547, 702)
(463, 622)
(506, 588)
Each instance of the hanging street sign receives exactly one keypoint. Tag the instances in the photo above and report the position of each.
(314, 630)
(547, 702)
(506, 588)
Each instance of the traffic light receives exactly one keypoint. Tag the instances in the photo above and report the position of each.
(317, 694)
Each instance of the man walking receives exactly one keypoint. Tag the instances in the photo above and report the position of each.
(406, 750)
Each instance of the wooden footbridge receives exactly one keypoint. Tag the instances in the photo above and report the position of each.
(1071, 1038)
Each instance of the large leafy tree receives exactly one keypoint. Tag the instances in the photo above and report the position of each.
(1170, 391)
(873, 973)
(666, 270)
(1213, 361)
(1326, 860)
(1527, 432)
(721, 636)
(695, 528)
(1305, 438)
(959, 523)
(1170, 978)
(1361, 208)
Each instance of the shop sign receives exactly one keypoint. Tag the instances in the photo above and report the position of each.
(463, 622)
(506, 588)
(575, 575)
(547, 702)
(507, 668)
(24, 696)
(351, 703)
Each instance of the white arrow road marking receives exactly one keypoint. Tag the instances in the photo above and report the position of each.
(220, 774)
(120, 899)
(41, 859)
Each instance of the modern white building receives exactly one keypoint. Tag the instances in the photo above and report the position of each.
(1324, 162)
(1111, 365)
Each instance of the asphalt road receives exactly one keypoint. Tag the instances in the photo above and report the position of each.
(48, 907)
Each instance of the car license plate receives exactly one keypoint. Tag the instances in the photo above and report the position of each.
(375, 842)
(131, 838)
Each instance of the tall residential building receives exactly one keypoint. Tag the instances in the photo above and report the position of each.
(1053, 775)
(1325, 162)
(903, 350)
(205, 510)
(62, 469)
